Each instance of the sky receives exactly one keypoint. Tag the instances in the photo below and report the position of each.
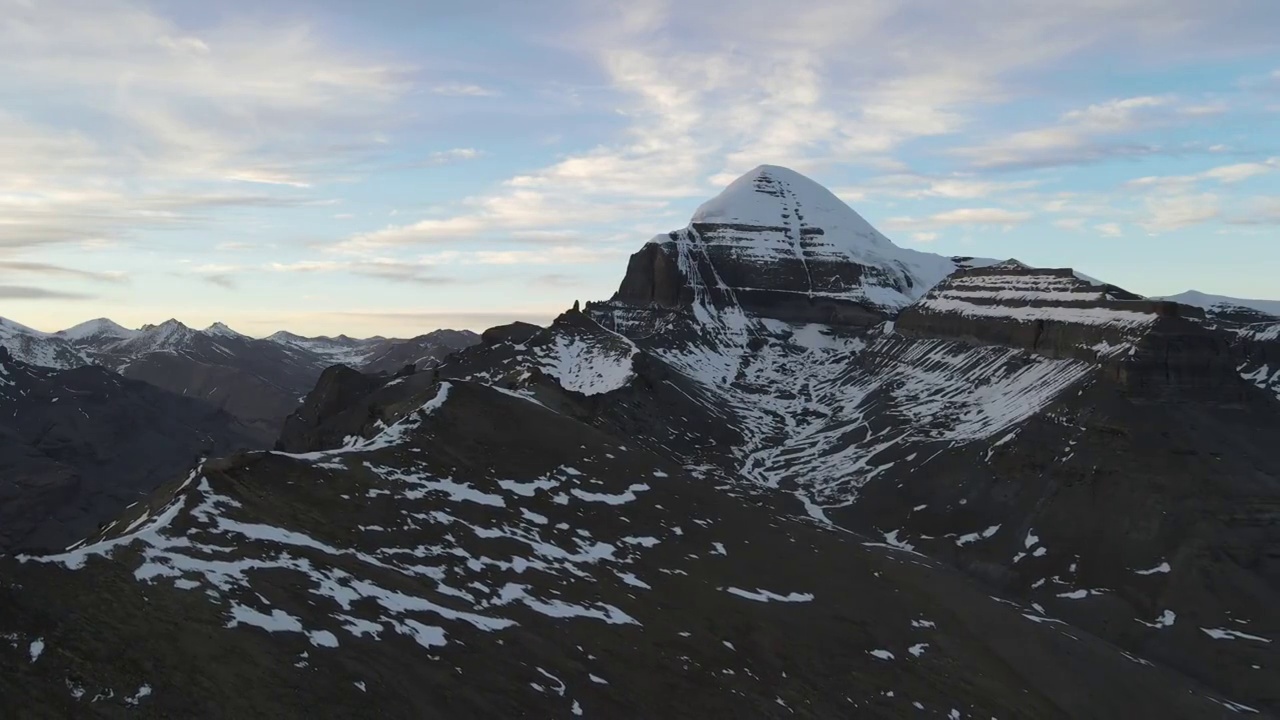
(394, 166)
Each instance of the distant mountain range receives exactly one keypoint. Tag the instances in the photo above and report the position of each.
(787, 470)
(1223, 305)
(259, 381)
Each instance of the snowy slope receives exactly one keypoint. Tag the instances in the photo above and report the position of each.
(221, 330)
(97, 330)
(39, 348)
(169, 336)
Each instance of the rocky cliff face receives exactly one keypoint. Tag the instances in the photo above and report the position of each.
(1254, 329)
(1149, 345)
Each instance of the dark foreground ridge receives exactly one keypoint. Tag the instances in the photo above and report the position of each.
(1001, 492)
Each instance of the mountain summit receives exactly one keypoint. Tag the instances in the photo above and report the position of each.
(782, 246)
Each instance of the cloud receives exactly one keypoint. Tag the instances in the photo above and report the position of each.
(1109, 230)
(1241, 171)
(558, 280)
(223, 281)
(151, 114)
(914, 186)
(924, 237)
(402, 273)
(1257, 211)
(1179, 211)
(233, 246)
(1070, 223)
(24, 292)
(48, 269)
(454, 89)
(1078, 137)
(1224, 174)
(702, 96)
(961, 216)
(446, 157)
(518, 214)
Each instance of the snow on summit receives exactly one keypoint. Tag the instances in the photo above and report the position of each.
(97, 328)
(779, 197)
(778, 231)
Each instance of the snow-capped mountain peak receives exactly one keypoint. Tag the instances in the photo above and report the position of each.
(779, 245)
(773, 196)
(96, 329)
(221, 330)
(168, 336)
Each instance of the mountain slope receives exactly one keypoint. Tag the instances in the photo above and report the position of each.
(257, 381)
(468, 584)
(78, 445)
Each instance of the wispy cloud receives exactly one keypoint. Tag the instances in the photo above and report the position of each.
(1080, 136)
(223, 281)
(961, 216)
(10, 267)
(152, 113)
(1224, 174)
(457, 89)
(445, 157)
(1174, 212)
(25, 292)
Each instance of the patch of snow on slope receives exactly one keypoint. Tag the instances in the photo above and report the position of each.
(1225, 634)
(765, 596)
(590, 368)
